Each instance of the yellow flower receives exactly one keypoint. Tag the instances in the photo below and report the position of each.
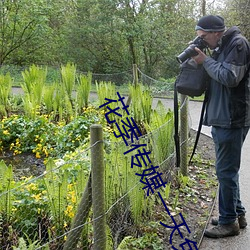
(73, 199)
(37, 196)
(45, 151)
(38, 155)
(31, 187)
(17, 152)
(69, 211)
(6, 132)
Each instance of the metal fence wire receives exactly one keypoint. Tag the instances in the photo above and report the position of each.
(99, 199)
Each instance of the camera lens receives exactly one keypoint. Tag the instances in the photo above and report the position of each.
(187, 53)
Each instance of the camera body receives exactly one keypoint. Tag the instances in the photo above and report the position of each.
(190, 51)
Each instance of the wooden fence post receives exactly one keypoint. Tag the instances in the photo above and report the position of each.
(80, 218)
(135, 82)
(98, 195)
(135, 74)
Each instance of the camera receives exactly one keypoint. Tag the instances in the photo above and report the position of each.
(190, 51)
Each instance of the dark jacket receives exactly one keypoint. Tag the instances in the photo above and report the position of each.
(228, 103)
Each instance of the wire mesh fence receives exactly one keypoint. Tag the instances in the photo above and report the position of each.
(57, 209)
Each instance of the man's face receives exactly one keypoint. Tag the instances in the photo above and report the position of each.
(211, 38)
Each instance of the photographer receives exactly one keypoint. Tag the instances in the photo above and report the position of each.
(228, 112)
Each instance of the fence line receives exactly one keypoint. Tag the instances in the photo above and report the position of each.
(119, 208)
(81, 225)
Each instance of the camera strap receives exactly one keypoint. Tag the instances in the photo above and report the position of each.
(199, 127)
(176, 126)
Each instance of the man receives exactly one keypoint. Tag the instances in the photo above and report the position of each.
(228, 112)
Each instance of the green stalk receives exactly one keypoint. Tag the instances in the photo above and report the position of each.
(83, 91)
(68, 74)
(6, 184)
(141, 103)
(33, 85)
(48, 98)
(5, 90)
(161, 125)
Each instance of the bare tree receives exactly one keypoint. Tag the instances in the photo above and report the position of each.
(20, 22)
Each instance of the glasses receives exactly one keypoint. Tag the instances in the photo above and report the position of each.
(203, 36)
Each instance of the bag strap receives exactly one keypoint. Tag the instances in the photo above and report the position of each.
(199, 127)
(176, 126)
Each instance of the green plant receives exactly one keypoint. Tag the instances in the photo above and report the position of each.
(29, 245)
(6, 196)
(30, 208)
(48, 98)
(56, 187)
(105, 90)
(62, 104)
(68, 74)
(34, 81)
(167, 190)
(5, 90)
(42, 136)
(83, 91)
(176, 199)
(147, 241)
(183, 180)
(141, 103)
(160, 131)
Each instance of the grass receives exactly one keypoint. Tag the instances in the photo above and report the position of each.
(161, 88)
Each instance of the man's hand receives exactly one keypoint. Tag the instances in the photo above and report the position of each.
(200, 58)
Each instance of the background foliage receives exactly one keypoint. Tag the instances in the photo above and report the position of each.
(106, 36)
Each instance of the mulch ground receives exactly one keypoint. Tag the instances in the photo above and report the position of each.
(196, 198)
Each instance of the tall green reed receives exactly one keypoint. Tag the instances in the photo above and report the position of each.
(122, 183)
(141, 103)
(68, 74)
(33, 86)
(160, 131)
(48, 97)
(62, 106)
(56, 184)
(6, 196)
(5, 90)
(83, 91)
(105, 90)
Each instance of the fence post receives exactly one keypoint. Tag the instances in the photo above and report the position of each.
(135, 82)
(135, 74)
(98, 195)
(80, 218)
(184, 135)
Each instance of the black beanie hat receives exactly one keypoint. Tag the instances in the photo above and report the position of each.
(211, 23)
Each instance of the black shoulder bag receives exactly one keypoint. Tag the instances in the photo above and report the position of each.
(191, 81)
